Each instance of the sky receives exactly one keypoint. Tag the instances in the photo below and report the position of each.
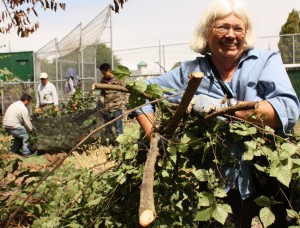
(145, 23)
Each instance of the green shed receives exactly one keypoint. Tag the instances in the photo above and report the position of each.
(19, 63)
(293, 71)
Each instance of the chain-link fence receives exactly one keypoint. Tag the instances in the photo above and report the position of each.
(76, 50)
(289, 46)
(164, 57)
(12, 91)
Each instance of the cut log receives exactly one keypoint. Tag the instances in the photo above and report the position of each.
(195, 80)
(147, 212)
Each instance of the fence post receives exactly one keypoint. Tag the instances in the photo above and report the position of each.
(293, 48)
(2, 95)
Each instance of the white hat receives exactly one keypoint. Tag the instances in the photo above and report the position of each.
(43, 75)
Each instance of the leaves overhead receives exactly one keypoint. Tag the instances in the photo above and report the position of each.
(117, 4)
(18, 14)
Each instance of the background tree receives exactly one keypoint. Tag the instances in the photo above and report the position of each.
(103, 55)
(289, 44)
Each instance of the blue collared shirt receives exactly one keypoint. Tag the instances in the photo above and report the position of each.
(260, 75)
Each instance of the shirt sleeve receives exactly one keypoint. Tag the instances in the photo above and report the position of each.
(38, 102)
(54, 96)
(275, 87)
(26, 119)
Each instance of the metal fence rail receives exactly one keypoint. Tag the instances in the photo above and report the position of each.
(165, 56)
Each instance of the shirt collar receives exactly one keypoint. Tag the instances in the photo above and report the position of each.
(250, 54)
(109, 79)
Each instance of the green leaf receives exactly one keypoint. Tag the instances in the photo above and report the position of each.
(94, 202)
(270, 130)
(121, 178)
(54, 222)
(129, 154)
(242, 129)
(292, 214)
(205, 199)
(283, 155)
(132, 130)
(263, 201)
(263, 150)
(155, 91)
(136, 87)
(290, 148)
(74, 225)
(251, 130)
(185, 139)
(220, 193)
(172, 150)
(164, 173)
(122, 139)
(121, 72)
(250, 145)
(202, 175)
(266, 216)
(228, 208)
(283, 174)
(220, 213)
(203, 214)
(248, 156)
(261, 168)
(296, 166)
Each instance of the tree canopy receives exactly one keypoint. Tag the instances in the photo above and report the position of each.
(288, 43)
(292, 25)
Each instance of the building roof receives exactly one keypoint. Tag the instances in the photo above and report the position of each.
(142, 63)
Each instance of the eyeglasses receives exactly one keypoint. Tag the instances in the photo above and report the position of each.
(43, 79)
(223, 29)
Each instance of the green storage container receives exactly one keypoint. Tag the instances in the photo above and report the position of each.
(19, 63)
(294, 74)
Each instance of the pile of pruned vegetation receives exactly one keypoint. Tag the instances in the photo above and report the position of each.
(61, 131)
(158, 183)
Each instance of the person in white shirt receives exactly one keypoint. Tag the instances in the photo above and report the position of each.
(46, 95)
(16, 121)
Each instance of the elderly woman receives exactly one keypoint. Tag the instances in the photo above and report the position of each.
(232, 67)
(225, 38)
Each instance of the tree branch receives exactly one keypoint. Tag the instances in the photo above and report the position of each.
(232, 109)
(116, 88)
(147, 212)
(195, 80)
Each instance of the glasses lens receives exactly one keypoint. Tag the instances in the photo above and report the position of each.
(224, 29)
